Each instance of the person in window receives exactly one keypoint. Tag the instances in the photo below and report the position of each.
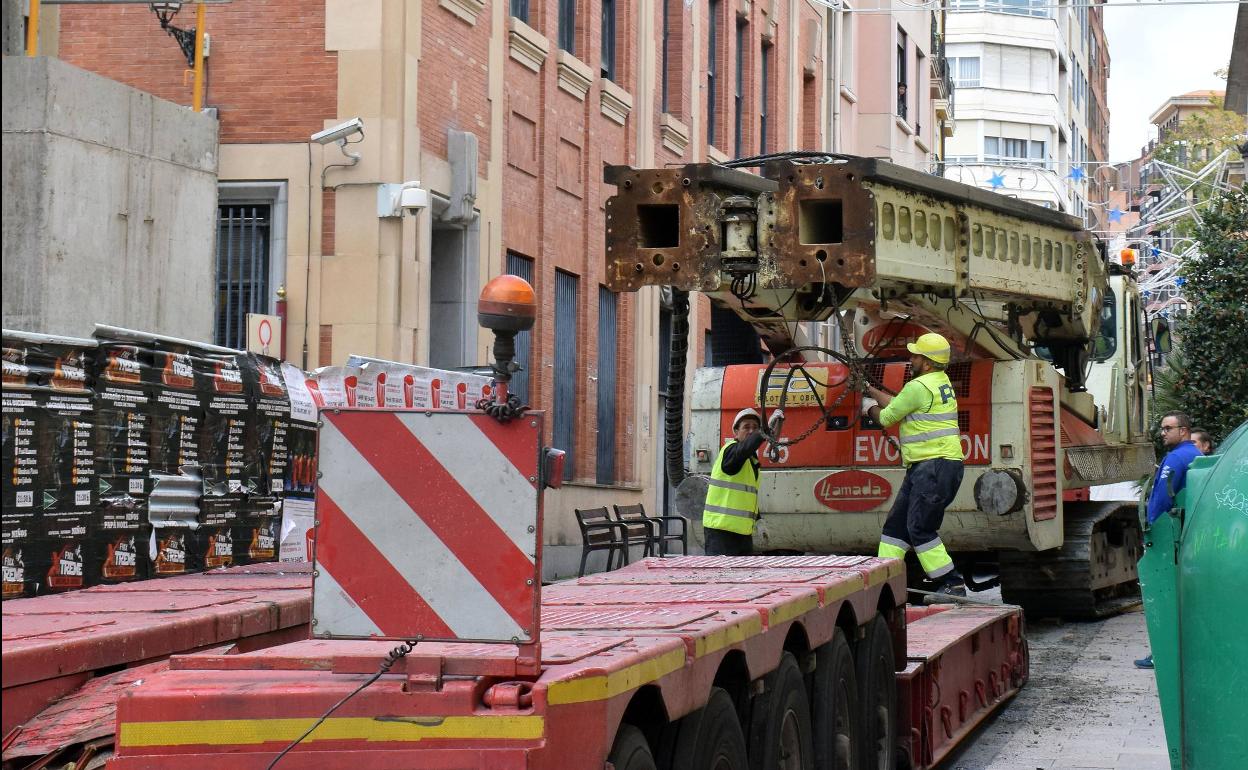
(931, 450)
(1176, 435)
(901, 99)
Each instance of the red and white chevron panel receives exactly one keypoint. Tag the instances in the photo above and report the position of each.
(427, 526)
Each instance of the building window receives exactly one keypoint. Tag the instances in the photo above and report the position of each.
(607, 347)
(567, 26)
(764, 99)
(965, 71)
(903, 82)
(608, 40)
(1019, 7)
(520, 9)
(738, 143)
(712, 67)
(564, 431)
(523, 267)
(243, 240)
(1005, 150)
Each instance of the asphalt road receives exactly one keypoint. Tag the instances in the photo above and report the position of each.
(1086, 705)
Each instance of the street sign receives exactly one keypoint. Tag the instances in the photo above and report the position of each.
(426, 527)
(264, 334)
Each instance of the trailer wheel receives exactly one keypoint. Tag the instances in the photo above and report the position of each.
(835, 730)
(877, 682)
(780, 721)
(708, 739)
(630, 750)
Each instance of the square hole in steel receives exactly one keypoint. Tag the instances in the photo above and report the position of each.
(819, 221)
(658, 226)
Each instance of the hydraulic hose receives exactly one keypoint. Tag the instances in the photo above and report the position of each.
(674, 414)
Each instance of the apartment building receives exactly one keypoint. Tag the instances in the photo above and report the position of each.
(1030, 99)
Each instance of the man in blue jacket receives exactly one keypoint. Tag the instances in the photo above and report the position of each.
(1176, 435)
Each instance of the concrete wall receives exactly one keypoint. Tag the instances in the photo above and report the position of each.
(109, 205)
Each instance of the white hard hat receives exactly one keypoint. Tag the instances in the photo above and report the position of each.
(746, 413)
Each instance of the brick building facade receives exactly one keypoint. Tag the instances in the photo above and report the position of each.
(506, 113)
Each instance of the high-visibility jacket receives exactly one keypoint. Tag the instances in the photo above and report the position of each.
(731, 501)
(928, 412)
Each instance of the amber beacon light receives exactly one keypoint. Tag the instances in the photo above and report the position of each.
(508, 306)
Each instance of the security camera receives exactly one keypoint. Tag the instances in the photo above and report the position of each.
(340, 132)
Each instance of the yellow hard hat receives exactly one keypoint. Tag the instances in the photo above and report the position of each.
(931, 345)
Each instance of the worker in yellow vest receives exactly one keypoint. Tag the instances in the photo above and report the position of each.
(732, 495)
(931, 451)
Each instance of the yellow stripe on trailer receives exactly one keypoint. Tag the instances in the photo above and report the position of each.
(239, 732)
(727, 637)
(603, 686)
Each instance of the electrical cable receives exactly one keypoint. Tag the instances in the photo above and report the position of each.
(391, 658)
(674, 410)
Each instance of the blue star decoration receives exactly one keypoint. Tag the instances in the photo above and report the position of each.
(1115, 215)
(1156, 252)
(997, 181)
(1180, 281)
(1076, 174)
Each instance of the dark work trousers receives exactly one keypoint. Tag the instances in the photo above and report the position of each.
(919, 509)
(720, 542)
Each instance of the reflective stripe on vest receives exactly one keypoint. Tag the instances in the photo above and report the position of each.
(932, 432)
(731, 501)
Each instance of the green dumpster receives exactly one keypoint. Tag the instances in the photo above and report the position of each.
(1194, 576)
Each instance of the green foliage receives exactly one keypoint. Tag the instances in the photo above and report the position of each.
(1208, 373)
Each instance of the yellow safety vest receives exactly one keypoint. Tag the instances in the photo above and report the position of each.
(731, 501)
(932, 432)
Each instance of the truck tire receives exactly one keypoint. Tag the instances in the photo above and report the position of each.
(835, 731)
(780, 732)
(708, 739)
(630, 750)
(877, 699)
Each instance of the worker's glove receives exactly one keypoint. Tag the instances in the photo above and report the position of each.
(777, 419)
(867, 403)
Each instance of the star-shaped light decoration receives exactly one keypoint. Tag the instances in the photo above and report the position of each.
(997, 180)
(1156, 252)
(1115, 215)
(1180, 281)
(1076, 173)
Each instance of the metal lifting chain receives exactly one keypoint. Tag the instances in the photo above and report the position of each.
(858, 374)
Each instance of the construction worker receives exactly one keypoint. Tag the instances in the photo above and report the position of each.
(732, 495)
(931, 451)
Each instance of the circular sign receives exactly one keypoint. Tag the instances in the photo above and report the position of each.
(852, 491)
(265, 332)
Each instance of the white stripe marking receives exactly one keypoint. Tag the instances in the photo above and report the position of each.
(335, 610)
(467, 453)
(407, 542)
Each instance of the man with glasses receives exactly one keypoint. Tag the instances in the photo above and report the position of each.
(1176, 435)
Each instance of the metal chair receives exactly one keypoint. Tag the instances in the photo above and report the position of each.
(659, 528)
(600, 533)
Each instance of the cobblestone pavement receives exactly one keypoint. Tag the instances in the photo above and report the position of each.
(1086, 705)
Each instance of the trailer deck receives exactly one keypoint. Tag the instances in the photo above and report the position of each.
(67, 656)
(655, 635)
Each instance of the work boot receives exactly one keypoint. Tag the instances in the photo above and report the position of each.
(1146, 662)
(954, 586)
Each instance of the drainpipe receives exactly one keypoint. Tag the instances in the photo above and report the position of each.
(835, 56)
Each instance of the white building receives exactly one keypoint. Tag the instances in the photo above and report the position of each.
(1021, 71)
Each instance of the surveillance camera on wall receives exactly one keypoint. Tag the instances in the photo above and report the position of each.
(340, 132)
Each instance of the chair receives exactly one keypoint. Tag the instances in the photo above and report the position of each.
(638, 530)
(600, 533)
(660, 528)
